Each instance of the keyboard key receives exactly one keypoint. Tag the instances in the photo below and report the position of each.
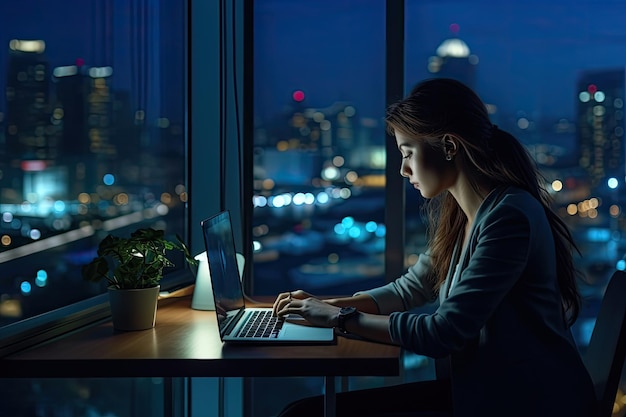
(261, 324)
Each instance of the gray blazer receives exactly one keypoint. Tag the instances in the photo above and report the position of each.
(500, 324)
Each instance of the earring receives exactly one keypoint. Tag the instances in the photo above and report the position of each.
(448, 157)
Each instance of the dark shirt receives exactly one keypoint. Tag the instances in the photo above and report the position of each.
(500, 323)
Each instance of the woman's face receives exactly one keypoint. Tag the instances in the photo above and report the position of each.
(425, 167)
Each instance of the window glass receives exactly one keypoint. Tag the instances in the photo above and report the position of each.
(319, 157)
(119, 397)
(552, 74)
(91, 139)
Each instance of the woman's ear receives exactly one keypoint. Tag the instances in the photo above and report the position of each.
(450, 146)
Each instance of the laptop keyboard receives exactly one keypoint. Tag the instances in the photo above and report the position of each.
(262, 324)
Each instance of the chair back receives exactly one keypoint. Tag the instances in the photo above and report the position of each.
(605, 355)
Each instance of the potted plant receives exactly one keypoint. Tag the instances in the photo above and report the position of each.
(133, 268)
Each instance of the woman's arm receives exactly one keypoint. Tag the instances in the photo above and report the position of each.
(412, 289)
(370, 326)
(374, 327)
(362, 302)
(372, 322)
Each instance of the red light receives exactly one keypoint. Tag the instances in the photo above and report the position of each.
(80, 62)
(454, 28)
(298, 95)
(33, 166)
(592, 88)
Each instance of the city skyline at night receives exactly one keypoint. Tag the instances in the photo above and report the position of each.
(128, 114)
(318, 105)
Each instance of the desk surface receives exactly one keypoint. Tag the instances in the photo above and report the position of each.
(185, 343)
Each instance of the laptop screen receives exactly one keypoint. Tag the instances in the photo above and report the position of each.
(222, 260)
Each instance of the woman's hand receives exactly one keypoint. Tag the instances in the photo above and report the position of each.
(286, 297)
(313, 310)
(370, 323)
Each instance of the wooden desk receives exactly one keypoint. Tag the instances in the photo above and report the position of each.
(185, 343)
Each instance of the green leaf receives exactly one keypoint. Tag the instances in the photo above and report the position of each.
(134, 262)
(95, 270)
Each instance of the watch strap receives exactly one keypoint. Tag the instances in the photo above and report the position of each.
(344, 314)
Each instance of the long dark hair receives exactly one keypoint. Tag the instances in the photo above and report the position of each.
(441, 106)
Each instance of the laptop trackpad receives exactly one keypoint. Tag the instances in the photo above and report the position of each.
(293, 331)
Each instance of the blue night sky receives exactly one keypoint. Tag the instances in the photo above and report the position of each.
(106, 33)
(530, 52)
(68, 27)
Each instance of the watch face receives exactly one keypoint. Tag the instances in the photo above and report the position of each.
(344, 314)
(347, 311)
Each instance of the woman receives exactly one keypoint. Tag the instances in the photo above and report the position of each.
(499, 262)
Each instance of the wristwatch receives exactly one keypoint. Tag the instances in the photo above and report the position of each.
(344, 314)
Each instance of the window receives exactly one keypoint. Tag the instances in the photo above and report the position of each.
(120, 397)
(319, 150)
(92, 139)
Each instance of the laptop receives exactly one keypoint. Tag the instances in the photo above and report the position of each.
(236, 322)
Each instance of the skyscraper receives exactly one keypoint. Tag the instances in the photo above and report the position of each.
(454, 59)
(601, 124)
(27, 96)
(70, 110)
(31, 139)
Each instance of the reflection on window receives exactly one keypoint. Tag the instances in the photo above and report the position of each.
(91, 139)
(110, 397)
